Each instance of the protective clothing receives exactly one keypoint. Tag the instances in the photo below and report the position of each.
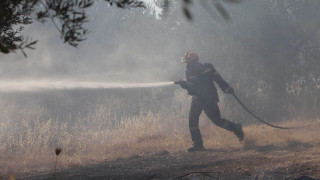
(199, 84)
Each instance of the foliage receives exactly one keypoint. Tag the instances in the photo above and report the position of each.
(68, 16)
(285, 41)
(208, 5)
(277, 56)
(13, 13)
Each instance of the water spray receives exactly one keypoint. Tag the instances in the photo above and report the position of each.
(9, 86)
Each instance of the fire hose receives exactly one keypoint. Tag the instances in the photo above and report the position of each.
(258, 118)
(245, 108)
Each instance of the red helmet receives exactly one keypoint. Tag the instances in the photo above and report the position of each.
(190, 56)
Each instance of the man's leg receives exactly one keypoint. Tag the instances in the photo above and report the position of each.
(213, 112)
(195, 111)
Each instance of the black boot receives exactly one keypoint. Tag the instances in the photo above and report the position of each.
(197, 141)
(196, 148)
(237, 130)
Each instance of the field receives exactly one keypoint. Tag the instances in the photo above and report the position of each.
(156, 141)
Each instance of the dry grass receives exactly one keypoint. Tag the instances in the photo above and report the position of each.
(29, 145)
(94, 139)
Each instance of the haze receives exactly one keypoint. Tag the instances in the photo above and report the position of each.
(113, 94)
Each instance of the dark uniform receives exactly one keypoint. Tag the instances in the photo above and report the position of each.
(199, 84)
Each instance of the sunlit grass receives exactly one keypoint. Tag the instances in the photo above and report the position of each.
(94, 139)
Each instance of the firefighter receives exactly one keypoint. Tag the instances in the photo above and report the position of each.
(199, 83)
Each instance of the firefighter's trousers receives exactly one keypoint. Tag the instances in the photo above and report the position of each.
(212, 111)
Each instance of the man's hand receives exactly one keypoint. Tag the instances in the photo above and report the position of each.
(229, 90)
(183, 84)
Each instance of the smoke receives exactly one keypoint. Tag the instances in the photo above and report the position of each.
(122, 45)
(127, 46)
(253, 53)
(101, 83)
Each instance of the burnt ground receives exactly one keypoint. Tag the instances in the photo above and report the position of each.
(293, 161)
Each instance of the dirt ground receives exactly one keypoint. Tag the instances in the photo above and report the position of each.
(293, 161)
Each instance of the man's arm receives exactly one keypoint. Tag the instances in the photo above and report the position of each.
(187, 86)
(218, 79)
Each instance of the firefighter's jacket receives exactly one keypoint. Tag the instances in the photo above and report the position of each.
(200, 80)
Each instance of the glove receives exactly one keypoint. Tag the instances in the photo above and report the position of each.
(229, 90)
(183, 84)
